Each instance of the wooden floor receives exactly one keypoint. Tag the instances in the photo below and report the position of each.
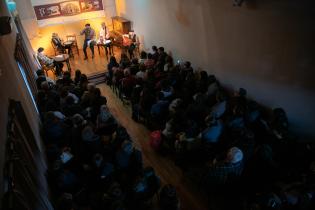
(89, 66)
(169, 173)
(190, 197)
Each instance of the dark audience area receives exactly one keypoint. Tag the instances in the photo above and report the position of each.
(240, 154)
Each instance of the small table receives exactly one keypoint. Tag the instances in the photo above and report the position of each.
(107, 43)
(63, 58)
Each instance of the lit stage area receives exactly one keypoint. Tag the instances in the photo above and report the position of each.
(66, 20)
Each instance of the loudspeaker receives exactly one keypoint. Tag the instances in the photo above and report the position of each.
(5, 26)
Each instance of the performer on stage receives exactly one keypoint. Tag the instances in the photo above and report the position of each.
(58, 43)
(133, 43)
(44, 59)
(104, 39)
(89, 34)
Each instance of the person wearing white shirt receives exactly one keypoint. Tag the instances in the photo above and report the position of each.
(104, 39)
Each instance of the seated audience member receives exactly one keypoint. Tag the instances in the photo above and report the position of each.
(149, 63)
(168, 199)
(175, 106)
(42, 78)
(155, 54)
(52, 97)
(112, 64)
(141, 73)
(77, 77)
(223, 171)
(54, 127)
(70, 107)
(124, 61)
(145, 187)
(127, 83)
(105, 122)
(166, 89)
(143, 57)
(129, 159)
(59, 45)
(133, 45)
(45, 60)
(220, 107)
(65, 93)
(203, 82)
(91, 142)
(213, 131)
(97, 101)
(159, 110)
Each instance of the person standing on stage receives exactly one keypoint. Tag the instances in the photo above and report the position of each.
(89, 34)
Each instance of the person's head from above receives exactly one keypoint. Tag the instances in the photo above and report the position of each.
(131, 32)
(160, 96)
(64, 92)
(127, 72)
(127, 147)
(66, 75)
(45, 86)
(148, 171)
(98, 159)
(234, 155)
(91, 87)
(135, 61)
(103, 25)
(40, 72)
(78, 73)
(112, 59)
(154, 48)
(69, 100)
(187, 64)
(142, 67)
(242, 92)
(161, 49)
(88, 135)
(40, 50)
(143, 55)
(87, 25)
(203, 75)
(78, 120)
(83, 78)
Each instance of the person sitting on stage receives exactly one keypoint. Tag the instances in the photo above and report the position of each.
(133, 44)
(104, 39)
(89, 34)
(59, 45)
(45, 60)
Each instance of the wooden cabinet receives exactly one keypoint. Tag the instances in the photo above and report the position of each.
(121, 25)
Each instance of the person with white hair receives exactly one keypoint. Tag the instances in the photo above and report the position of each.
(222, 171)
(104, 39)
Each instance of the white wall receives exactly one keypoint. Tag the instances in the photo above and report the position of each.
(264, 46)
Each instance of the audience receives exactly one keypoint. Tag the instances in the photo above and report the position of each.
(93, 162)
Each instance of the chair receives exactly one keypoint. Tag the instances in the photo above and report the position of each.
(57, 50)
(44, 67)
(73, 38)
